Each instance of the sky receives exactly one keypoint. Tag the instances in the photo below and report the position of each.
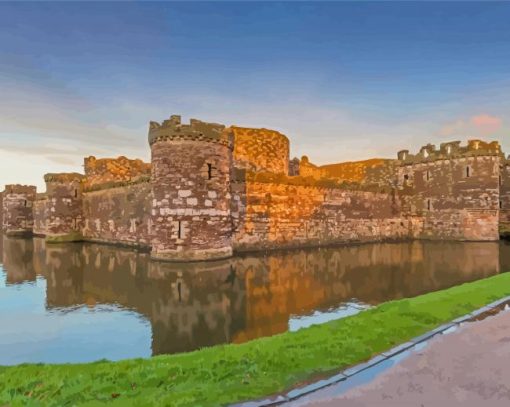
(344, 81)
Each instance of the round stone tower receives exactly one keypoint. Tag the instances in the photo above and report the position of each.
(191, 166)
(64, 207)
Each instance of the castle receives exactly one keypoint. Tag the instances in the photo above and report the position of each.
(211, 190)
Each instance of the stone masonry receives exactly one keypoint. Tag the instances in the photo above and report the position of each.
(191, 169)
(212, 190)
(17, 209)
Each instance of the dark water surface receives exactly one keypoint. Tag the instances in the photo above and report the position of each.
(84, 302)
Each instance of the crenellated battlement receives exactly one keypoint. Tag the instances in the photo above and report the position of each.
(451, 150)
(173, 129)
(20, 189)
(210, 190)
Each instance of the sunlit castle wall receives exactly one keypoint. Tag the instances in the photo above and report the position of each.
(17, 206)
(191, 170)
(452, 192)
(274, 211)
(260, 150)
(113, 171)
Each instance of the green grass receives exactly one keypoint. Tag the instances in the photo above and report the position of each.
(229, 373)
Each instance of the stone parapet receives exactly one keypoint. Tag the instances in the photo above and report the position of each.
(451, 150)
(196, 130)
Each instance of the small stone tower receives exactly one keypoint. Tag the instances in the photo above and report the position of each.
(64, 207)
(191, 168)
(17, 205)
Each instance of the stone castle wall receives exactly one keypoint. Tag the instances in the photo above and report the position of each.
(113, 171)
(118, 215)
(356, 171)
(191, 170)
(505, 196)
(261, 150)
(270, 214)
(211, 189)
(306, 169)
(455, 190)
(64, 206)
(17, 203)
(41, 215)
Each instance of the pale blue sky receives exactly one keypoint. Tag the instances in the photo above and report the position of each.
(344, 81)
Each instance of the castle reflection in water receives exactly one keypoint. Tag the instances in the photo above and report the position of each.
(195, 305)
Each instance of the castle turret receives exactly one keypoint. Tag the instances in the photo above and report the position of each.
(191, 167)
(64, 211)
(453, 190)
(17, 205)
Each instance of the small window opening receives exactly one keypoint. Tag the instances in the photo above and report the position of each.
(209, 170)
(179, 291)
(428, 175)
(25, 203)
(406, 177)
(428, 204)
(500, 204)
(76, 193)
(179, 230)
(468, 172)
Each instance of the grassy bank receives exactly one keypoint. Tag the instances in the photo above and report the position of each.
(225, 374)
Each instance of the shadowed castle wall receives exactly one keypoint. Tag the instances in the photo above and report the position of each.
(64, 207)
(454, 190)
(17, 203)
(504, 212)
(118, 215)
(41, 214)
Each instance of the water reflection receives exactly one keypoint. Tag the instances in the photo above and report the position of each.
(194, 305)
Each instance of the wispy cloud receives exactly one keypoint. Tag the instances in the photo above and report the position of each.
(481, 125)
(486, 123)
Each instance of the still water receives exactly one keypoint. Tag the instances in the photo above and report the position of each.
(84, 302)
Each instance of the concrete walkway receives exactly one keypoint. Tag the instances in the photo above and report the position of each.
(469, 367)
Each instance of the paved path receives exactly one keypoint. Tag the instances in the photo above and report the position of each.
(469, 367)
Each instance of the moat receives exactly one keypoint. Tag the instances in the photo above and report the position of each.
(81, 302)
